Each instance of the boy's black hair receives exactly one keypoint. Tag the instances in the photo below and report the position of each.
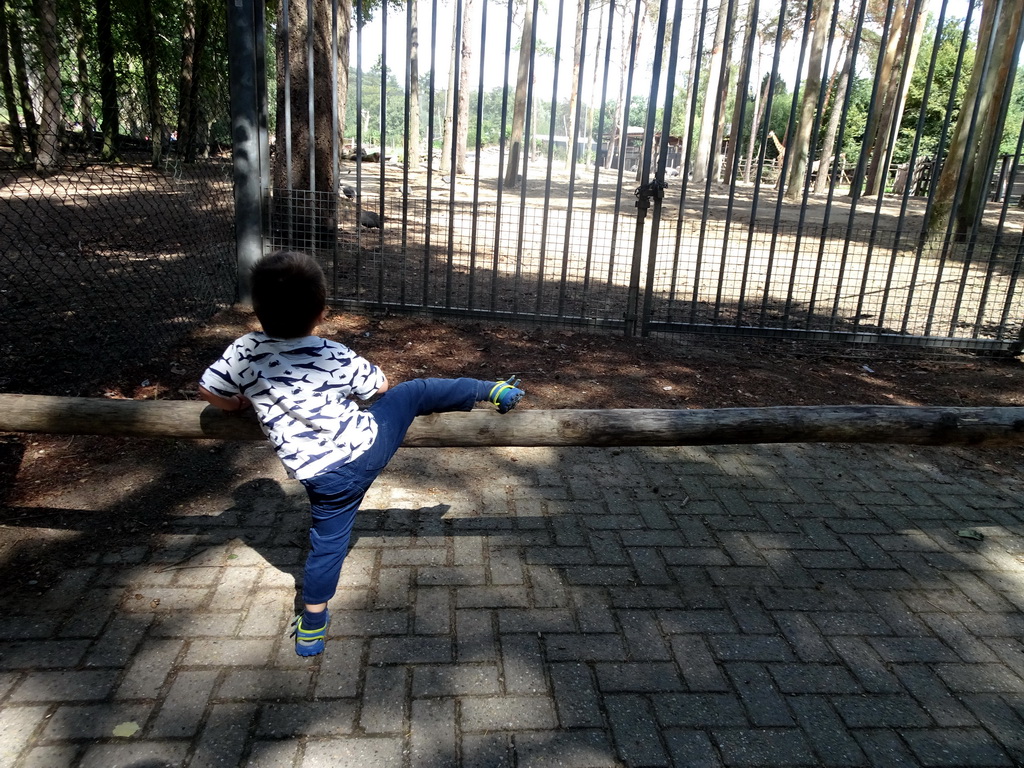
(289, 293)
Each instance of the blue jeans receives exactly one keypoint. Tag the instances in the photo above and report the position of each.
(335, 495)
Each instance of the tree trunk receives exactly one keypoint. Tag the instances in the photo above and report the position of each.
(462, 132)
(149, 53)
(977, 161)
(108, 80)
(742, 86)
(515, 146)
(760, 95)
(10, 99)
(706, 143)
(909, 425)
(892, 108)
(801, 145)
(83, 98)
(309, 190)
(447, 140)
(48, 150)
(574, 87)
(21, 74)
(829, 145)
(188, 52)
(414, 84)
(203, 20)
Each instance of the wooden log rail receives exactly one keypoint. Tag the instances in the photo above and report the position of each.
(609, 427)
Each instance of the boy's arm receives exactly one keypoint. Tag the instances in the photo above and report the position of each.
(233, 403)
(385, 386)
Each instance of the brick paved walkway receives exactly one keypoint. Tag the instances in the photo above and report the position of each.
(738, 606)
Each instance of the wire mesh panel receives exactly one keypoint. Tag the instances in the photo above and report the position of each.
(107, 266)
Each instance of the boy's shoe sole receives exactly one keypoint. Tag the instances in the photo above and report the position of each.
(309, 642)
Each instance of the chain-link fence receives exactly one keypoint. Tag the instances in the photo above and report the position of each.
(105, 266)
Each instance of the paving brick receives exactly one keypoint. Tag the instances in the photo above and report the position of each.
(957, 748)
(635, 730)
(699, 710)
(764, 747)
(828, 735)
(260, 684)
(370, 751)
(642, 634)
(184, 705)
(881, 711)
(804, 637)
(224, 737)
(48, 757)
(813, 679)
(979, 678)
(488, 750)
(410, 650)
(152, 754)
(314, 719)
(475, 637)
(339, 668)
(576, 697)
(872, 673)
(750, 648)
(383, 708)
(507, 713)
(585, 647)
(432, 738)
(273, 754)
(765, 705)
(522, 664)
(227, 651)
(17, 725)
(42, 654)
(432, 610)
(65, 685)
(700, 670)
(638, 677)
(92, 721)
(564, 749)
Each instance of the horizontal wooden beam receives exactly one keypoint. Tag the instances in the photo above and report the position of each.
(182, 419)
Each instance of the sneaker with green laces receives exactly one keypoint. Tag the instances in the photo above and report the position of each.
(505, 394)
(309, 642)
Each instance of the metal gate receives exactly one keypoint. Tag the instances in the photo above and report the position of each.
(620, 195)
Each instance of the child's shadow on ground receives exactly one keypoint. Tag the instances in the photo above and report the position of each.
(273, 520)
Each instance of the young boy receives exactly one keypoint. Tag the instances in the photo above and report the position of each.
(299, 385)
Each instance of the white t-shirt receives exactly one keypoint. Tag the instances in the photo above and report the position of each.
(300, 390)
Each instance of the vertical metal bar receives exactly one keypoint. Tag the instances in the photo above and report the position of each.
(412, 48)
(287, 64)
(359, 148)
(666, 128)
(940, 150)
(802, 218)
(476, 162)
(382, 258)
(551, 155)
(496, 261)
(633, 309)
(453, 160)
(1014, 167)
(430, 155)
(623, 141)
(245, 150)
(527, 139)
(597, 157)
(310, 110)
(335, 146)
(989, 161)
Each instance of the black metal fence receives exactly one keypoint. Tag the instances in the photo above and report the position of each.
(838, 236)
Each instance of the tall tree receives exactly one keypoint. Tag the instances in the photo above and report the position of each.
(10, 99)
(48, 150)
(894, 96)
(828, 147)
(145, 34)
(704, 161)
(577, 56)
(975, 140)
(14, 35)
(109, 109)
(800, 145)
(83, 93)
(516, 150)
(186, 74)
(305, 111)
(413, 134)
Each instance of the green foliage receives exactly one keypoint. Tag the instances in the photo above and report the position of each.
(392, 117)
